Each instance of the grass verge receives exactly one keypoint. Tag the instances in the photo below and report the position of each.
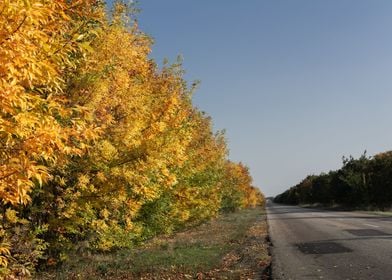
(232, 246)
(360, 209)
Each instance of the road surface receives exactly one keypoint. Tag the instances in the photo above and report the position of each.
(319, 244)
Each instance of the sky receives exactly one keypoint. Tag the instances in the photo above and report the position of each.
(296, 84)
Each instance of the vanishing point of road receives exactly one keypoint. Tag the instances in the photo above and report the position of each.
(319, 244)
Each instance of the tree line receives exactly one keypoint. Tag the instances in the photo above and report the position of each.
(99, 148)
(365, 182)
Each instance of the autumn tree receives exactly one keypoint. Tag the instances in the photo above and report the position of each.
(143, 113)
(99, 148)
(40, 42)
(237, 189)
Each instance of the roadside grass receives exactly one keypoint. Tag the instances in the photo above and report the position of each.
(380, 213)
(360, 209)
(232, 246)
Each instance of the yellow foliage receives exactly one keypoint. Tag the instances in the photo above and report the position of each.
(107, 147)
(11, 216)
(37, 39)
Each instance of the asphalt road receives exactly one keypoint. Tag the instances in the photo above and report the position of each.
(319, 244)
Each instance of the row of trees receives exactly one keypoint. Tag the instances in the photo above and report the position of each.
(362, 182)
(99, 149)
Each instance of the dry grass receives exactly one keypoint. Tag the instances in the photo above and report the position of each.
(233, 246)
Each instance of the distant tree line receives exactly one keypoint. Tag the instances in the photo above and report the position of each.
(361, 183)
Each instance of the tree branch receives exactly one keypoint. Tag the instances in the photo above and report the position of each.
(16, 30)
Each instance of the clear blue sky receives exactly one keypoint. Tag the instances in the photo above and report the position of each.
(296, 84)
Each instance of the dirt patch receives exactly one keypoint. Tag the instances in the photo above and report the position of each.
(250, 259)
